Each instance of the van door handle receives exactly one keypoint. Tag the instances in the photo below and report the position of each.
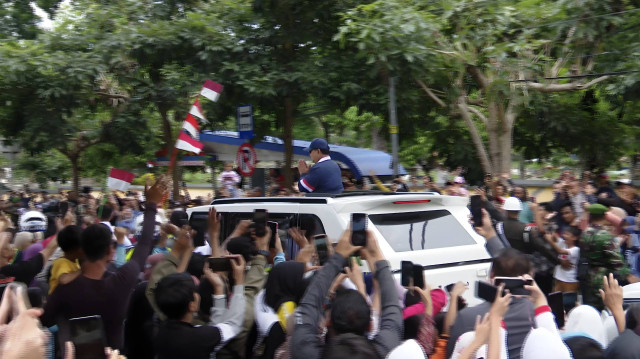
(481, 273)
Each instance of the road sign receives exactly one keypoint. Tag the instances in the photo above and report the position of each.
(245, 121)
(247, 159)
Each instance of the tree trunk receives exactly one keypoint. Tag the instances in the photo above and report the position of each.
(493, 131)
(505, 152)
(167, 136)
(475, 136)
(287, 137)
(75, 174)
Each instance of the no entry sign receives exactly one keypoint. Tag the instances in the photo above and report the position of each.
(247, 159)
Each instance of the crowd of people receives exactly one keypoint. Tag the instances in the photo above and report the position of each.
(134, 265)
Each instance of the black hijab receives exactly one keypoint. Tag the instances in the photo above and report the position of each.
(285, 283)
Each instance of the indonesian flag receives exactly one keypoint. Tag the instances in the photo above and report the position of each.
(185, 142)
(196, 110)
(211, 90)
(119, 179)
(191, 126)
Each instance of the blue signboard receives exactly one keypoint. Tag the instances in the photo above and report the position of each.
(245, 121)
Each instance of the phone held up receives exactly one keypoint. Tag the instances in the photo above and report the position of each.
(219, 264)
(88, 337)
(274, 233)
(321, 243)
(259, 225)
(475, 205)
(359, 229)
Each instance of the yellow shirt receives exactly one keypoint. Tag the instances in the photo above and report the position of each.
(59, 267)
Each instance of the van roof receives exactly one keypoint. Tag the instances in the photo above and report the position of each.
(366, 196)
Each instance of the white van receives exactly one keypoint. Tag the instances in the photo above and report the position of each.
(425, 228)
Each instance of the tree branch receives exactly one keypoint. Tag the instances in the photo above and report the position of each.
(113, 95)
(475, 136)
(565, 52)
(475, 101)
(477, 74)
(574, 86)
(479, 114)
(431, 94)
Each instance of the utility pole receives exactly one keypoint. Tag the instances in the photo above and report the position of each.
(393, 124)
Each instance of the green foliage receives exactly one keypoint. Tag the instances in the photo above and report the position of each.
(42, 167)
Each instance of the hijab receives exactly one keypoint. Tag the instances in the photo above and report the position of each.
(541, 343)
(285, 283)
(585, 318)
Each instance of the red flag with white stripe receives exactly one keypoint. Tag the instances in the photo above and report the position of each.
(211, 90)
(191, 126)
(196, 110)
(119, 179)
(185, 142)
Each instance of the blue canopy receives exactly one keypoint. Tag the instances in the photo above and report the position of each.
(224, 144)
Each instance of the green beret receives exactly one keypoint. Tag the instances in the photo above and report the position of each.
(597, 208)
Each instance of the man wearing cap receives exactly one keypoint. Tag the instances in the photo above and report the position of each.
(324, 176)
(598, 257)
(626, 199)
(527, 240)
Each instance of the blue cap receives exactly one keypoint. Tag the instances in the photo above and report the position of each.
(318, 144)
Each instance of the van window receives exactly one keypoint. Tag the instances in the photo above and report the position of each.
(421, 230)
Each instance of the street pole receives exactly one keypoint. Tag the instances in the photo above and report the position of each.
(393, 124)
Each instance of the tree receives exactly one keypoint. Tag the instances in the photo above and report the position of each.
(19, 20)
(480, 61)
(277, 55)
(59, 94)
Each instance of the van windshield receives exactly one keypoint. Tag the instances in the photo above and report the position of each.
(421, 230)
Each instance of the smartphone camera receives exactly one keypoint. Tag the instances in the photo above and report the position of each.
(320, 242)
(406, 273)
(476, 210)
(259, 222)
(359, 229)
(88, 337)
(222, 264)
(274, 233)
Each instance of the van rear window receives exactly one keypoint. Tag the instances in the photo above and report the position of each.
(421, 230)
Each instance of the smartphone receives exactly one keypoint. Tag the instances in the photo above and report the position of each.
(514, 285)
(88, 337)
(449, 287)
(198, 221)
(320, 242)
(359, 229)
(486, 291)
(476, 210)
(220, 264)
(260, 222)
(274, 233)
(406, 273)
(557, 307)
(63, 208)
(418, 276)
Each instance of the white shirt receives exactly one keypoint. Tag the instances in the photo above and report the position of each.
(568, 275)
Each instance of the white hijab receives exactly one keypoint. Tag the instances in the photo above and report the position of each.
(585, 318)
(409, 349)
(541, 343)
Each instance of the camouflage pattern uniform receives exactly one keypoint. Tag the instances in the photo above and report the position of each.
(598, 250)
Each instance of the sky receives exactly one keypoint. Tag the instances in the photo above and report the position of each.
(46, 22)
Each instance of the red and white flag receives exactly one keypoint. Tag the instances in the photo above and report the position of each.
(185, 142)
(191, 126)
(119, 179)
(211, 90)
(196, 110)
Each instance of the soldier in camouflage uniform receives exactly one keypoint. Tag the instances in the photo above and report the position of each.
(598, 257)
